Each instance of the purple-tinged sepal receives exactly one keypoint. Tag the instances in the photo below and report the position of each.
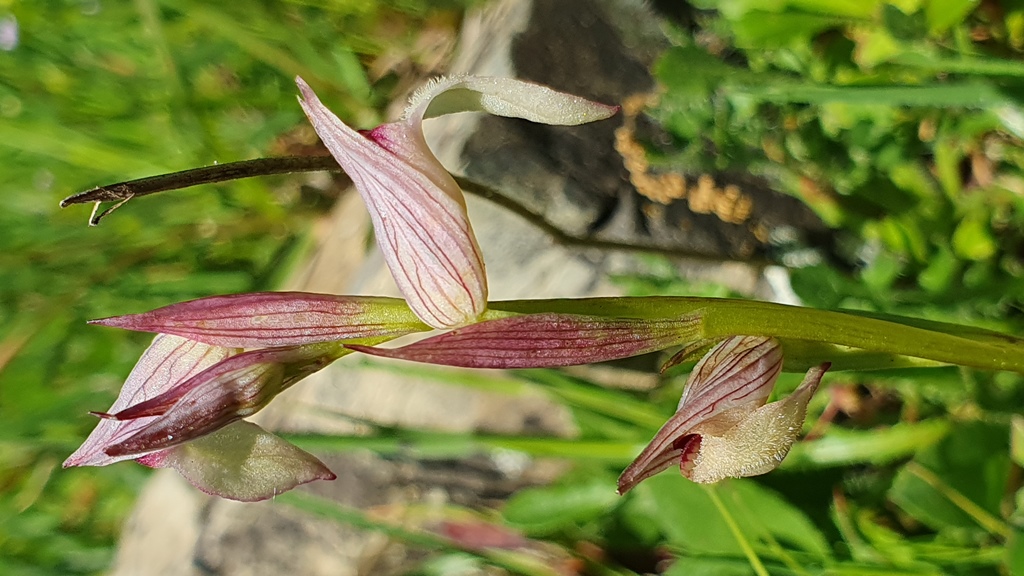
(167, 361)
(722, 427)
(545, 340)
(181, 407)
(266, 319)
(224, 393)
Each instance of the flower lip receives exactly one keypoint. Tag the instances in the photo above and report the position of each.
(722, 427)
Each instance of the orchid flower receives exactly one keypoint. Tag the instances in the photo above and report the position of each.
(417, 209)
(722, 427)
(182, 405)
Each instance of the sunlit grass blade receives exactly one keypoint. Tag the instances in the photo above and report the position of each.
(841, 447)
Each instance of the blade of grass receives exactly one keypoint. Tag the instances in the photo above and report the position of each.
(602, 400)
(840, 447)
(748, 550)
(977, 95)
(63, 144)
(392, 441)
(980, 515)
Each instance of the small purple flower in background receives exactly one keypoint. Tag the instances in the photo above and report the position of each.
(723, 428)
(182, 406)
(418, 210)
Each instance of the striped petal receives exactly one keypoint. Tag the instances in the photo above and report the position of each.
(265, 319)
(545, 340)
(418, 215)
(168, 361)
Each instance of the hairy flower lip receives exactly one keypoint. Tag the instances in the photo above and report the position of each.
(723, 409)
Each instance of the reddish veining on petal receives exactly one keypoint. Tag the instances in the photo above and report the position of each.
(266, 319)
(542, 340)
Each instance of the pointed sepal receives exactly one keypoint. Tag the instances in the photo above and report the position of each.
(224, 393)
(544, 340)
(418, 213)
(266, 319)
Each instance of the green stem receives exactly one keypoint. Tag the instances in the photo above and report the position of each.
(723, 317)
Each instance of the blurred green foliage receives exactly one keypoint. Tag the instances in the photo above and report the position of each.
(97, 92)
(899, 122)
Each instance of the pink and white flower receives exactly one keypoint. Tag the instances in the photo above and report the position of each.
(722, 427)
(417, 209)
(183, 404)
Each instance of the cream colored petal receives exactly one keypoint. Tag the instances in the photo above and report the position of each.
(503, 97)
(758, 443)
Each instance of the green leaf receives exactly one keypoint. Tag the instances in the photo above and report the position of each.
(689, 518)
(973, 240)
(959, 482)
(703, 566)
(770, 30)
(1015, 553)
(539, 511)
(944, 14)
(767, 515)
(904, 26)
(940, 272)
